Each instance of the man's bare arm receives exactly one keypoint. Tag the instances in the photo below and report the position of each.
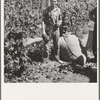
(44, 35)
(59, 21)
(43, 28)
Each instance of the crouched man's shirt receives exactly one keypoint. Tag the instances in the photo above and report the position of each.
(70, 48)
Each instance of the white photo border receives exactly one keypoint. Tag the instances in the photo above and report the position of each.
(46, 91)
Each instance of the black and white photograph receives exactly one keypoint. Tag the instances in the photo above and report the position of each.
(50, 41)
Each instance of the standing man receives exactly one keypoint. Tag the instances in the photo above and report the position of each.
(93, 17)
(52, 20)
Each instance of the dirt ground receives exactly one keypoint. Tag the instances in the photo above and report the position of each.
(53, 72)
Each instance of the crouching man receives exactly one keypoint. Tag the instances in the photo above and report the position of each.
(70, 49)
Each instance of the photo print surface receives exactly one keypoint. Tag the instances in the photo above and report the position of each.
(50, 41)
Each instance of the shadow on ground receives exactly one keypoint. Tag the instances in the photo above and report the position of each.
(89, 71)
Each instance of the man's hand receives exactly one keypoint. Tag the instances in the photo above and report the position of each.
(58, 60)
(61, 62)
(58, 24)
(45, 37)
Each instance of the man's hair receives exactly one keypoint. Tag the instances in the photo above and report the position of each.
(78, 28)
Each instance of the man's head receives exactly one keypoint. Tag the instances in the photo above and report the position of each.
(79, 32)
(54, 3)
